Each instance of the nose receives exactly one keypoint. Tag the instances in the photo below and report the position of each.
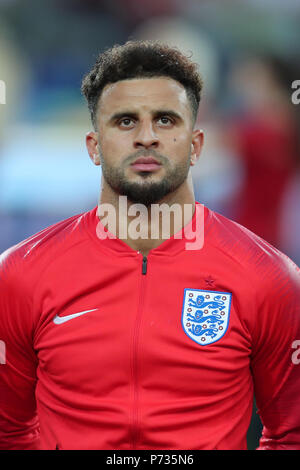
(146, 137)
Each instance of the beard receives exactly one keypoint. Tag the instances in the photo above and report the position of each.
(147, 191)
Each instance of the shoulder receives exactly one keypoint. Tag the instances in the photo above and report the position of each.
(259, 258)
(40, 248)
(266, 281)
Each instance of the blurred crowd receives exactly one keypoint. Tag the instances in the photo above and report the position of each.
(248, 54)
(258, 140)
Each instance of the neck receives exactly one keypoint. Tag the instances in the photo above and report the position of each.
(144, 228)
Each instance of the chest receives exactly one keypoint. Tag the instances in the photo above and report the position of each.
(177, 325)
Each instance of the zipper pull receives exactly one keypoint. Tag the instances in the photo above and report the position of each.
(144, 266)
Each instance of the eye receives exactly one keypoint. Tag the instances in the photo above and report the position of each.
(165, 120)
(126, 122)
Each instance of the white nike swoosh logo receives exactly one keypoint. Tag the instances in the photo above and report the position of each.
(58, 320)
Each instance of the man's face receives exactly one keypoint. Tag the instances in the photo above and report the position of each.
(145, 137)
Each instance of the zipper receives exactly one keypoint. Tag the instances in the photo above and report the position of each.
(135, 355)
(144, 265)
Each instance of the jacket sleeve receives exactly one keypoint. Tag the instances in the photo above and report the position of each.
(19, 427)
(276, 356)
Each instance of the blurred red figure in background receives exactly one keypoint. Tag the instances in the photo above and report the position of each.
(266, 140)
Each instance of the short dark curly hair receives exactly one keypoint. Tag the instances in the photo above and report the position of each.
(141, 59)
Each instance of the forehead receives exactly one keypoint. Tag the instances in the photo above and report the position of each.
(144, 93)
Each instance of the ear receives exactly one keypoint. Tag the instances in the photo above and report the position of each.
(196, 145)
(91, 141)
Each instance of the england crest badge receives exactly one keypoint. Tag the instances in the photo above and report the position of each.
(205, 315)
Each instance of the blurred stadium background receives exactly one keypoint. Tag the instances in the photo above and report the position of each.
(249, 56)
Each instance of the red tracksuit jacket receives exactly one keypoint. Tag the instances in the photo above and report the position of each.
(102, 349)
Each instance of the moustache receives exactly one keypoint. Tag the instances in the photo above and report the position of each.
(162, 159)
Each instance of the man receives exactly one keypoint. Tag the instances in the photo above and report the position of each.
(119, 341)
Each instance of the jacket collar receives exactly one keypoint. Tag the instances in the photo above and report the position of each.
(190, 237)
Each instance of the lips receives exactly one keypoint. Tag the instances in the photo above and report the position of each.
(145, 164)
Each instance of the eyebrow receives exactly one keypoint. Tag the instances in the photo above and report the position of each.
(156, 114)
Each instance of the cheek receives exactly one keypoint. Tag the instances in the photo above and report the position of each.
(180, 147)
(111, 148)
(114, 144)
